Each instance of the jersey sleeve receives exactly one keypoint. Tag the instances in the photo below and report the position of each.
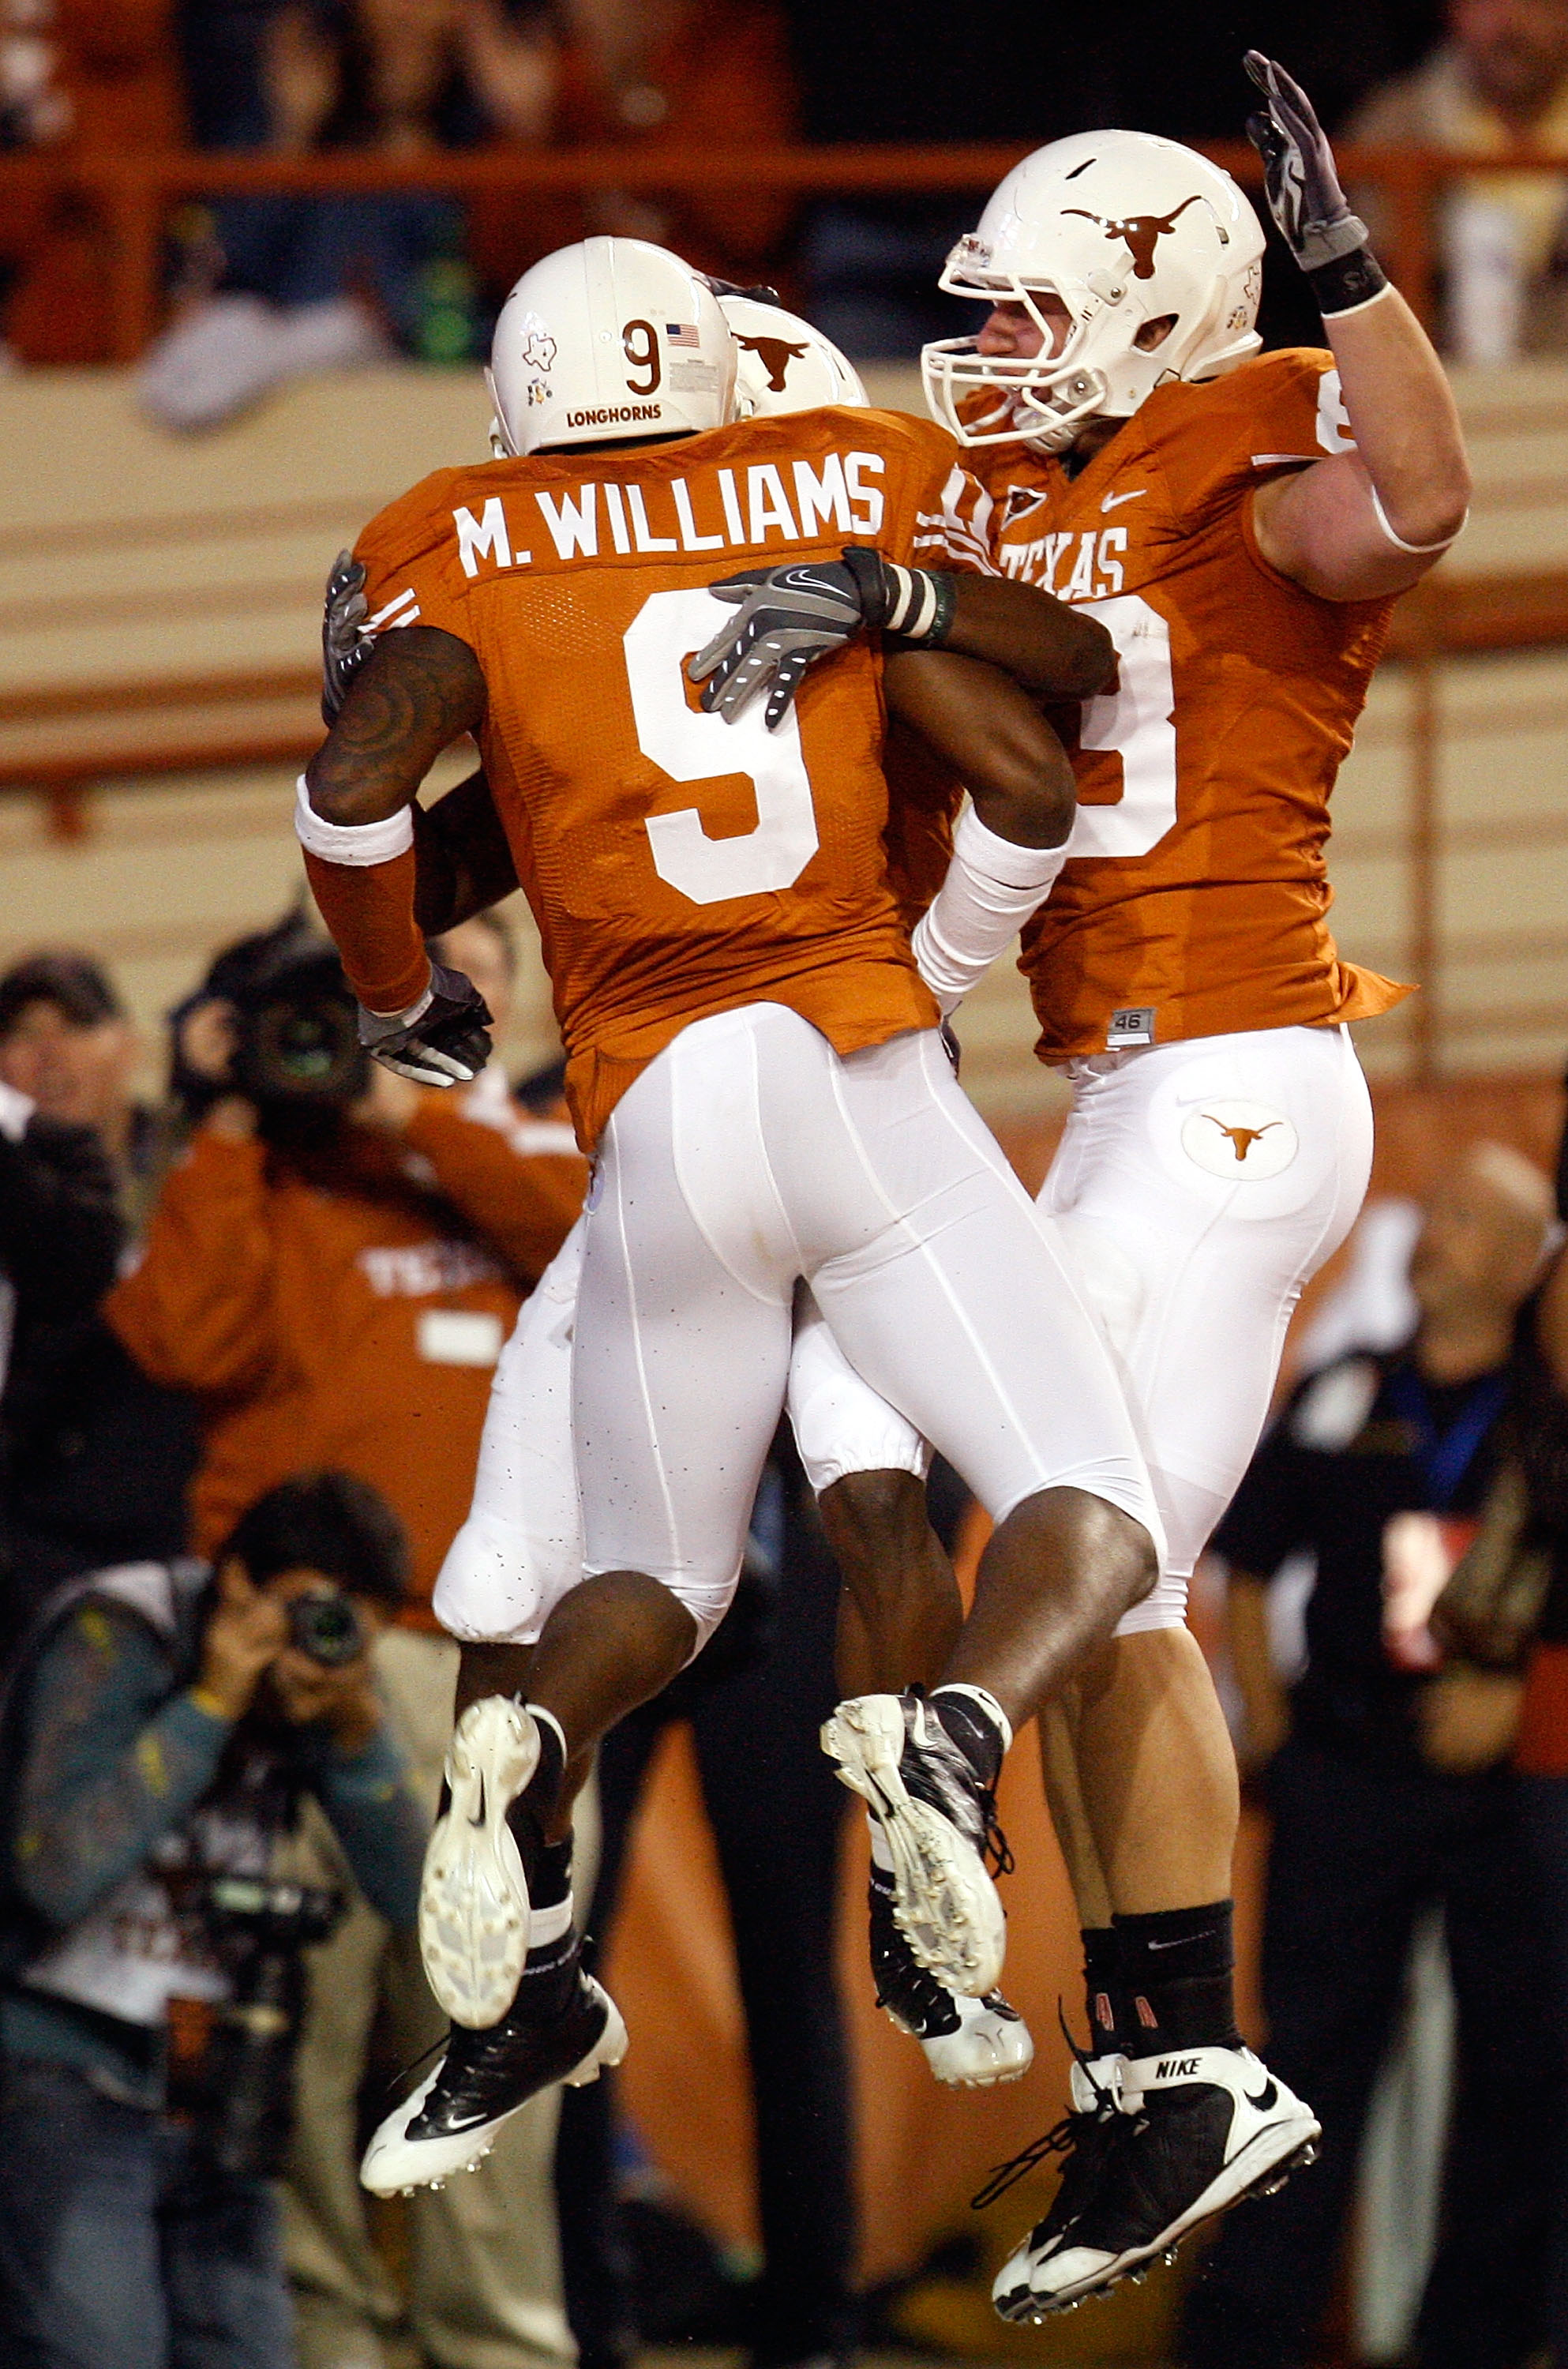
(1283, 411)
(939, 513)
(407, 553)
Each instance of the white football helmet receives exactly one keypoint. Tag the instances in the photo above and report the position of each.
(1126, 229)
(608, 339)
(783, 364)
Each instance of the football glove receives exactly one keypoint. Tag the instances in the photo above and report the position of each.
(345, 645)
(1304, 196)
(442, 1041)
(791, 616)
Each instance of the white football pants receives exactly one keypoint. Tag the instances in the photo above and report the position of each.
(1198, 1188)
(750, 1155)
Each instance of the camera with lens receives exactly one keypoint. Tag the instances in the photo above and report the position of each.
(325, 1625)
(297, 1039)
(233, 2079)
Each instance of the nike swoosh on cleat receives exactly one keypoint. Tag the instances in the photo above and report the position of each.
(1114, 501)
(1266, 2099)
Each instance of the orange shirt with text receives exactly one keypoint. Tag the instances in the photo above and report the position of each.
(1196, 902)
(679, 866)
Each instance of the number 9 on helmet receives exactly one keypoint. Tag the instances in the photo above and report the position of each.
(608, 341)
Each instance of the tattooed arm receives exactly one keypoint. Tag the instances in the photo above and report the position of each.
(465, 862)
(417, 690)
(415, 694)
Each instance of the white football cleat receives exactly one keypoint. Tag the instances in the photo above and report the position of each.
(936, 1819)
(452, 2120)
(473, 1902)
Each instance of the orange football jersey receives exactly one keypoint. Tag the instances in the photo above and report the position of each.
(677, 865)
(1195, 902)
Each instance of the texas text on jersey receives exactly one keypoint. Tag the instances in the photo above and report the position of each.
(679, 864)
(1196, 900)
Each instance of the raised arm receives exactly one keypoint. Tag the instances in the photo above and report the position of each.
(1368, 523)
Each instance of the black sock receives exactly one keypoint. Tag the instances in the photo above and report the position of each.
(551, 1878)
(549, 1979)
(1176, 1972)
(532, 1814)
(977, 1738)
(1101, 1994)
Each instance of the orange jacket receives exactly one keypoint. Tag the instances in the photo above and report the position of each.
(346, 1310)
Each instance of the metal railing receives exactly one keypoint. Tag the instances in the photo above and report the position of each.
(131, 192)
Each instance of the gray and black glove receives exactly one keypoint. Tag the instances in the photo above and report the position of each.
(442, 1041)
(791, 616)
(345, 645)
(1304, 197)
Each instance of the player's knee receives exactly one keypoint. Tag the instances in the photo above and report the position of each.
(1133, 1556)
(1164, 1606)
(873, 1521)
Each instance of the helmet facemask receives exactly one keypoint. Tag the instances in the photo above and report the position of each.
(1118, 271)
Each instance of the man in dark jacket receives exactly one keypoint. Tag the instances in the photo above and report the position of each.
(160, 1729)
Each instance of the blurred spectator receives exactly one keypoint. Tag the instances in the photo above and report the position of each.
(1541, 1755)
(282, 287)
(1389, 1793)
(77, 77)
(98, 1455)
(332, 1271)
(60, 1238)
(1499, 82)
(156, 1740)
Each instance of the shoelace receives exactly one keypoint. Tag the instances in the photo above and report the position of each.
(1062, 2138)
(994, 1845)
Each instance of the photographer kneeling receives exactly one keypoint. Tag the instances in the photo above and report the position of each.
(161, 1726)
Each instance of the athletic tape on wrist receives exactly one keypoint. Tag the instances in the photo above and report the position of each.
(1419, 549)
(358, 844)
(1348, 283)
(919, 607)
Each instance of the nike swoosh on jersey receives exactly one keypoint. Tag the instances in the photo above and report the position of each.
(1114, 501)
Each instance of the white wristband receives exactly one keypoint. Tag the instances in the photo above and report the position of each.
(1418, 549)
(991, 888)
(351, 843)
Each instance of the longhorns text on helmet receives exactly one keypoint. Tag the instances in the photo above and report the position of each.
(1125, 230)
(617, 337)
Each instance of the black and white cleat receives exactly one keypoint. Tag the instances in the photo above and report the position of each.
(1197, 2130)
(936, 1821)
(474, 1904)
(450, 2122)
(969, 2044)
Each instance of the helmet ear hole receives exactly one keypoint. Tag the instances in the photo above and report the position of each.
(1154, 333)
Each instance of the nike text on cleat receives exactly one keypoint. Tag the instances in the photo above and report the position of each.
(969, 2044)
(1199, 2128)
(936, 1818)
(474, 1895)
(450, 2122)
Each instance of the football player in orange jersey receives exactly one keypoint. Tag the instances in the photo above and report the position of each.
(754, 1061)
(1242, 523)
